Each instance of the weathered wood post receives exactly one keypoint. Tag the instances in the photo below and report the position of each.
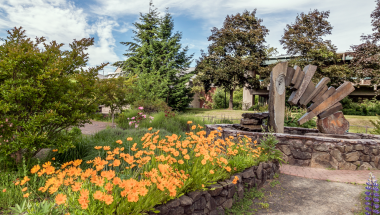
(277, 97)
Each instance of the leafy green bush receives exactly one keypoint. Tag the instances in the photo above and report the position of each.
(365, 108)
(151, 106)
(291, 120)
(220, 99)
(376, 124)
(42, 92)
(269, 151)
(176, 124)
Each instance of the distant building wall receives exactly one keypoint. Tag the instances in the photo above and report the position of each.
(107, 110)
(195, 103)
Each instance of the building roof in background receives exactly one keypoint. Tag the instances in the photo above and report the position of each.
(118, 70)
(285, 57)
(100, 76)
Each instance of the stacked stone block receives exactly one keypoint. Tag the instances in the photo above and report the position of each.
(253, 121)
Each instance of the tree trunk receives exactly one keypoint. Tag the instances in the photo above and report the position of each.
(18, 156)
(113, 116)
(230, 105)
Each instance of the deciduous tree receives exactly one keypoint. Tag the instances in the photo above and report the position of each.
(304, 40)
(115, 93)
(366, 56)
(236, 53)
(43, 92)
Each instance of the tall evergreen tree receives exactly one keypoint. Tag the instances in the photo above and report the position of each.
(157, 51)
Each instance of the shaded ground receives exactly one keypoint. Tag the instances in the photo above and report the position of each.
(298, 196)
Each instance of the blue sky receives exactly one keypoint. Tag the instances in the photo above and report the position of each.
(110, 21)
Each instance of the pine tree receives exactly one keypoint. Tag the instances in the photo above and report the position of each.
(157, 50)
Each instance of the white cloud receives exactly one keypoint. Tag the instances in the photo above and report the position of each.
(62, 21)
(350, 18)
(58, 20)
(103, 51)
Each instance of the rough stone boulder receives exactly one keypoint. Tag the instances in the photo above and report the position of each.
(333, 124)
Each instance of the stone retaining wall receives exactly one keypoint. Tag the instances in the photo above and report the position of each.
(319, 152)
(219, 196)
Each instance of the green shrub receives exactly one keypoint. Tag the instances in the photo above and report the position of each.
(176, 124)
(151, 106)
(43, 91)
(365, 108)
(291, 120)
(376, 124)
(220, 99)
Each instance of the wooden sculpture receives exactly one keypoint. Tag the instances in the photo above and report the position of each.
(324, 101)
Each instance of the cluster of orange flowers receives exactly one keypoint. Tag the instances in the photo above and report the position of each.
(235, 180)
(211, 150)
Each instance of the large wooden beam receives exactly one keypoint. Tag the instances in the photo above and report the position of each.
(308, 71)
(297, 71)
(289, 76)
(277, 97)
(306, 98)
(344, 90)
(333, 109)
(309, 90)
(324, 89)
(319, 100)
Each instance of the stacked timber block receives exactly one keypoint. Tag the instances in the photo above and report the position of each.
(323, 100)
(253, 121)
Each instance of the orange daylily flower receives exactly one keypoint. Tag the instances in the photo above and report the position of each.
(116, 162)
(60, 199)
(35, 169)
(108, 199)
(98, 195)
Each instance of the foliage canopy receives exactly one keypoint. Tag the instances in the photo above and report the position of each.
(236, 53)
(43, 91)
(156, 56)
(304, 40)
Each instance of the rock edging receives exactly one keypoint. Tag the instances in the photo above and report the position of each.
(219, 197)
(300, 149)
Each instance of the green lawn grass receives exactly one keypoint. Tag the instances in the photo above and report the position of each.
(356, 122)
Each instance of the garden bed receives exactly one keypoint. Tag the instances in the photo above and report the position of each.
(220, 196)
